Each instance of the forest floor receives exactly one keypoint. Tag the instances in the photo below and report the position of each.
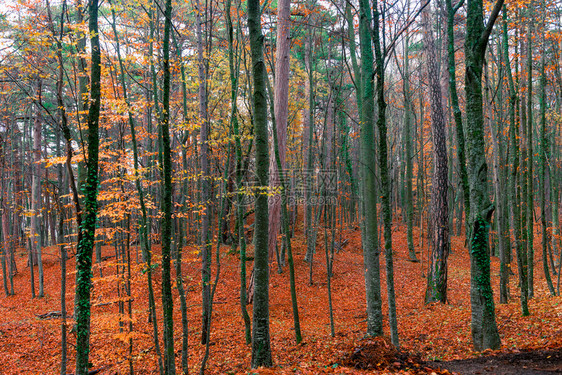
(431, 336)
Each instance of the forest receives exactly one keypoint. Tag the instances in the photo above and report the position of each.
(277, 186)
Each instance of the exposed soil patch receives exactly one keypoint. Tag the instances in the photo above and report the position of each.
(532, 362)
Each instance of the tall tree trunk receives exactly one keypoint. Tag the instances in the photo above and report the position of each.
(380, 57)
(544, 149)
(369, 228)
(484, 329)
(514, 187)
(409, 157)
(461, 150)
(281, 110)
(529, 126)
(90, 191)
(261, 347)
(239, 172)
(206, 244)
(36, 192)
(499, 183)
(440, 242)
(166, 223)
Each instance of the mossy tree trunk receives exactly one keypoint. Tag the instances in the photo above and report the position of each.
(484, 328)
(166, 223)
(261, 347)
(371, 250)
(90, 191)
(380, 58)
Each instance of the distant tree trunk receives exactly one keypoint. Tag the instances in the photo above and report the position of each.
(484, 329)
(380, 57)
(5, 230)
(63, 293)
(461, 155)
(281, 107)
(234, 75)
(261, 348)
(440, 242)
(36, 192)
(166, 223)
(90, 191)
(206, 244)
(4, 265)
(544, 150)
(514, 187)
(530, 155)
(287, 238)
(528, 126)
(409, 157)
(369, 228)
(309, 153)
(499, 183)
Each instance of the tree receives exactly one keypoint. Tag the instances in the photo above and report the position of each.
(35, 240)
(451, 67)
(440, 242)
(484, 328)
(261, 347)
(281, 107)
(514, 188)
(166, 224)
(206, 245)
(90, 190)
(369, 228)
(380, 58)
(409, 156)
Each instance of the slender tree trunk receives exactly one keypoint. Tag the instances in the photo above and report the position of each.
(206, 244)
(530, 156)
(239, 172)
(281, 110)
(166, 223)
(461, 150)
(440, 241)
(261, 349)
(544, 147)
(514, 187)
(409, 157)
(369, 235)
(36, 192)
(380, 57)
(63, 295)
(90, 191)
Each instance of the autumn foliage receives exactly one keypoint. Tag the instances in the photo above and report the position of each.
(31, 345)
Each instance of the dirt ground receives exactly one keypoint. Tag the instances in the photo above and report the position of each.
(534, 362)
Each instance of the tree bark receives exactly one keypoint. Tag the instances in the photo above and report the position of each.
(369, 235)
(36, 192)
(90, 191)
(166, 223)
(281, 109)
(206, 245)
(514, 187)
(440, 242)
(261, 347)
(484, 329)
(380, 57)
(461, 151)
